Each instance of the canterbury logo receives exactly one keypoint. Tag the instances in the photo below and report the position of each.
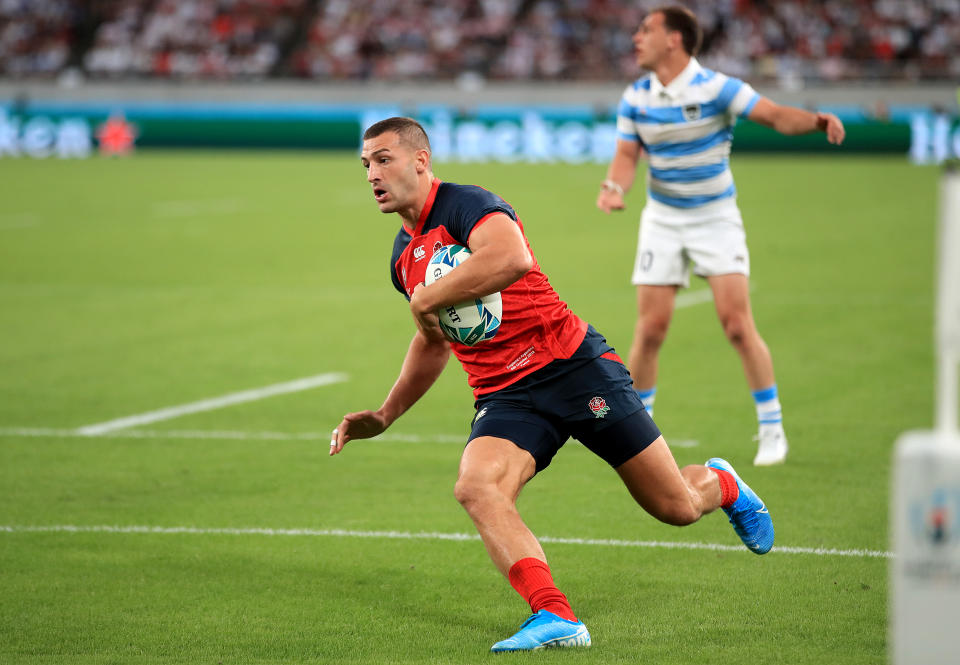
(419, 253)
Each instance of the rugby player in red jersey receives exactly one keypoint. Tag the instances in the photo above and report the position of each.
(546, 376)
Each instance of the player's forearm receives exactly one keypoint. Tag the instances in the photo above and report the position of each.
(622, 172)
(490, 269)
(792, 121)
(422, 366)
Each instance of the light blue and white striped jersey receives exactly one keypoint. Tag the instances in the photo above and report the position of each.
(686, 129)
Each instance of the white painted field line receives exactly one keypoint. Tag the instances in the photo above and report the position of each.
(689, 298)
(196, 207)
(698, 297)
(167, 413)
(19, 220)
(232, 435)
(407, 535)
(685, 299)
(49, 432)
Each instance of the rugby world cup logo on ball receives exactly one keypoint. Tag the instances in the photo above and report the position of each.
(470, 322)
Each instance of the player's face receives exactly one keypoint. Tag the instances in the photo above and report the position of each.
(391, 170)
(650, 41)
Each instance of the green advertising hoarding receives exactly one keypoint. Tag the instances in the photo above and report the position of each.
(505, 133)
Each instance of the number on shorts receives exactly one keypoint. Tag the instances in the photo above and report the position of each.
(646, 260)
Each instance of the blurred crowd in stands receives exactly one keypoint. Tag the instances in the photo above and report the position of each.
(790, 41)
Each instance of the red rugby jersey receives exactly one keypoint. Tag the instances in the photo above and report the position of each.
(537, 327)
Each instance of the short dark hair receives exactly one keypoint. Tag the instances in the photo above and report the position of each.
(409, 130)
(680, 19)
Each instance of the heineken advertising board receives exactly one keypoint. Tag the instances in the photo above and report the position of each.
(506, 134)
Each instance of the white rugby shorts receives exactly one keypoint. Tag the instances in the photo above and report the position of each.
(710, 239)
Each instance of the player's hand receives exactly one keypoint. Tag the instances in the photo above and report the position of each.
(428, 323)
(832, 127)
(360, 425)
(608, 200)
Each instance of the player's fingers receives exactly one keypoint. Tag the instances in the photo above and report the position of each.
(340, 435)
(835, 130)
(840, 133)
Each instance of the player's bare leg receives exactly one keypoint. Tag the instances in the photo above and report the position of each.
(672, 495)
(492, 473)
(731, 294)
(654, 312)
(682, 496)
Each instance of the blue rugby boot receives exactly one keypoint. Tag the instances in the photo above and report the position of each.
(748, 514)
(545, 629)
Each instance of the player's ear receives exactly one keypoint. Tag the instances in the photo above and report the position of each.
(423, 160)
(675, 39)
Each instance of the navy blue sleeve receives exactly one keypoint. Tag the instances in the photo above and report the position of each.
(470, 204)
(399, 244)
(396, 280)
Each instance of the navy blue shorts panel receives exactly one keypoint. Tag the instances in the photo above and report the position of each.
(514, 421)
(621, 440)
(594, 402)
(599, 392)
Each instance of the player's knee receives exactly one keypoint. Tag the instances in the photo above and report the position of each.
(676, 510)
(736, 327)
(679, 513)
(651, 331)
(471, 492)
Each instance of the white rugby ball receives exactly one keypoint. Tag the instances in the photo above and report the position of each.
(470, 322)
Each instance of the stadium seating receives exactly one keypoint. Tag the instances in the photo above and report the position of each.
(789, 41)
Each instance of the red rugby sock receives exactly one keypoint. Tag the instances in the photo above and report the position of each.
(729, 492)
(532, 579)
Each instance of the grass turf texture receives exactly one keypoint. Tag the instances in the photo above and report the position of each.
(167, 278)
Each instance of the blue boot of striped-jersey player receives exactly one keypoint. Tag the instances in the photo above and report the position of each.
(543, 630)
(748, 514)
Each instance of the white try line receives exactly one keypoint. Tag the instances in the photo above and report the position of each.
(167, 413)
(232, 435)
(407, 535)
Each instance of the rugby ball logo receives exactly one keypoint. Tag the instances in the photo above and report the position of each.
(471, 322)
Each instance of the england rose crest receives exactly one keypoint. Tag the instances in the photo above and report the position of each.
(599, 407)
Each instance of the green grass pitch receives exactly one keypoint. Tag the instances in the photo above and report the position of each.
(164, 279)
